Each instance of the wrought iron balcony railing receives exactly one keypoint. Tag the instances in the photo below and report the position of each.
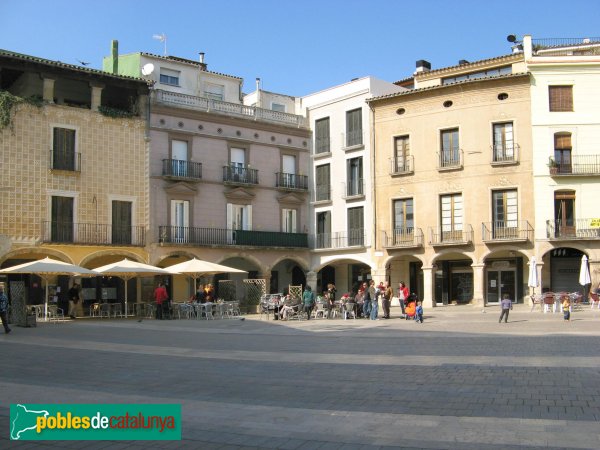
(341, 239)
(451, 159)
(93, 234)
(226, 108)
(354, 188)
(573, 229)
(403, 237)
(291, 181)
(176, 168)
(503, 231)
(226, 237)
(451, 236)
(505, 153)
(402, 165)
(69, 161)
(579, 165)
(240, 175)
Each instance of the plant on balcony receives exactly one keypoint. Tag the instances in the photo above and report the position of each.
(553, 165)
(115, 113)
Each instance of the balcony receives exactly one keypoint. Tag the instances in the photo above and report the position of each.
(445, 235)
(322, 193)
(566, 46)
(580, 165)
(229, 109)
(402, 165)
(67, 161)
(403, 238)
(342, 239)
(450, 160)
(505, 154)
(353, 140)
(240, 175)
(354, 189)
(225, 238)
(181, 170)
(510, 231)
(573, 229)
(92, 234)
(290, 181)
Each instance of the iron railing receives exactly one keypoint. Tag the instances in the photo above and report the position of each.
(227, 237)
(177, 168)
(505, 153)
(240, 175)
(70, 161)
(403, 237)
(354, 188)
(341, 239)
(93, 234)
(451, 159)
(510, 230)
(573, 229)
(291, 181)
(566, 46)
(402, 164)
(353, 138)
(449, 236)
(226, 108)
(580, 165)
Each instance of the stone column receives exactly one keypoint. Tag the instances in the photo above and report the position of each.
(311, 280)
(267, 278)
(96, 95)
(478, 272)
(594, 273)
(48, 93)
(428, 301)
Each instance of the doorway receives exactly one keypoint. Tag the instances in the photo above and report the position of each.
(500, 282)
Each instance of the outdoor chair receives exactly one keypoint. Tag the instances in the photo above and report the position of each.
(105, 310)
(594, 300)
(55, 314)
(549, 302)
(319, 311)
(536, 300)
(349, 310)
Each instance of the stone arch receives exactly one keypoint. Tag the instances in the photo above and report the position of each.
(52, 253)
(337, 259)
(302, 263)
(124, 253)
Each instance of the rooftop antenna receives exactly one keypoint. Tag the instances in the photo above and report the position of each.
(162, 38)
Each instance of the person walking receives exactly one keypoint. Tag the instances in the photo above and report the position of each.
(566, 306)
(387, 300)
(160, 296)
(402, 296)
(419, 312)
(308, 299)
(4, 310)
(506, 306)
(331, 291)
(73, 300)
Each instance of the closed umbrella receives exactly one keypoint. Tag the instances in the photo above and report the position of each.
(533, 280)
(196, 268)
(127, 270)
(48, 267)
(584, 272)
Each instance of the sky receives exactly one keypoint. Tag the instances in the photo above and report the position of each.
(295, 47)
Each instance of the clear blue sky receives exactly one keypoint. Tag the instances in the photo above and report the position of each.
(296, 47)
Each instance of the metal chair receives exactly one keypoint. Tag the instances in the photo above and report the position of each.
(549, 302)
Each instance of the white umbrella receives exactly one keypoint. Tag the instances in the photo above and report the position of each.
(584, 272)
(127, 270)
(195, 268)
(533, 281)
(47, 267)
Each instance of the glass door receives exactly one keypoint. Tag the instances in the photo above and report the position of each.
(500, 282)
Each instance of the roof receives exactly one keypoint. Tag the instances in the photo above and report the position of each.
(474, 64)
(61, 65)
(188, 61)
(441, 86)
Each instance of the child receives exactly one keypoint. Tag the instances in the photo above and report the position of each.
(566, 305)
(419, 312)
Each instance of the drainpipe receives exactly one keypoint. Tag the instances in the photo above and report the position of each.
(373, 191)
(114, 51)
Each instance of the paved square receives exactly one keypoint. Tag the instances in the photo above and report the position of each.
(460, 380)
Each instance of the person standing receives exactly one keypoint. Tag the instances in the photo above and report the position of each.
(73, 300)
(566, 306)
(4, 309)
(506, 306)
(387, 299)
(402, 296)
(331, 291)
(160, 296)
(419, 312)
(308, 299)
(374, 300)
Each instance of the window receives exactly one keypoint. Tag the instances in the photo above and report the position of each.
(322, 135)
(323, 238)
(404, 222)
(170, 77)
(561, 98)
(289, 220)
(121, 222)
(354, 127)
(504, 145)
(451, 217)
(180, 217)
(562, 152)
(564, 213)
(278, 107)
(505, 215)
(239, 217)
(450, 152)
(401, 154)
(63, 149)
(354, 176)
(214, 91)
(322, 183)
(476, 75)
(179, 156)
(356, 226)
(237, 165)
(62, 219)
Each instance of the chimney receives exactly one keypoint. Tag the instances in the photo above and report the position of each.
(114, 51)
(462, 62)
(202, 64)
(423, 66)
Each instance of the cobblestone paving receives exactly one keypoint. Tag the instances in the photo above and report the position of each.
(458, 381)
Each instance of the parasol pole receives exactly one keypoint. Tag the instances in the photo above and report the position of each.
(46, 301)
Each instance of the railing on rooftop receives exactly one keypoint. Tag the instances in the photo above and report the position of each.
(566, 46)
(227, 108)
(227, 237)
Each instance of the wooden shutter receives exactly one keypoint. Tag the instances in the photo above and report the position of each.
(63, 151)
(561, 98)
(121, 222)
(62, 219)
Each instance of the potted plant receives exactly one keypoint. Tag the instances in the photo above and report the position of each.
(553, 165)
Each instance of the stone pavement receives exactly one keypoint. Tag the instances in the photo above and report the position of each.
(460, 380)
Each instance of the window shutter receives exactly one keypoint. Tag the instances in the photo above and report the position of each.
(561, 98)
(229, 216)
(248, 218)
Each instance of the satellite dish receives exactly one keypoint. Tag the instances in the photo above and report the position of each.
(511, 38)
(148, 69)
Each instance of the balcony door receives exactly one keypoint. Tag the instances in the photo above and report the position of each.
(451, 212)
(564, 213)
(562, 152)
(180, 218)
(62, 219)
(504, 214)
(323, 229)
(121, 222)
(403, 221)
(288, 169)
(238, 164)
(179, 156)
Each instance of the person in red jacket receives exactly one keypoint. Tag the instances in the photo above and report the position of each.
(402, 296)
(160, 295)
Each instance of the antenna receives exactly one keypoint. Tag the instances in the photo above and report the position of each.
(147, 69)
(162, 38)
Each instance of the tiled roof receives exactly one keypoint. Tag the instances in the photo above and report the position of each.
(187, 61)
(473, 64)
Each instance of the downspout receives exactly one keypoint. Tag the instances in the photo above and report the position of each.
(373, 190)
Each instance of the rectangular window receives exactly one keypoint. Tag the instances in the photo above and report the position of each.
(214, 91)
(180, 217)
(404, 222)
(356, 226)
(562, 152)
(323, 183)
(289, 220)
(63, 149)
(505, 214)
(323, 237)
(401, 154)
(451, 217)
(560, 98)
(239, 217)
(168, 76)
(121, 222)
(322, 138)
(278, 107)
(450, 150)
(504, 145)
(354, 176)
(62, 219)
(354, 130)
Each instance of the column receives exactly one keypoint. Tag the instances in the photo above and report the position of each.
(594, 273)
(428, 301)
(311, 280)
(478, 271)
(96, 95)
(267, 278)
(48, 92)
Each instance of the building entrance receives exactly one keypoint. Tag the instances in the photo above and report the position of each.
(500, 282)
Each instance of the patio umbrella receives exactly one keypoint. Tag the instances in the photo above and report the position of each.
(196, 268)
(127, 270)
(533, 281)
(48, 267)
(584, 272)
